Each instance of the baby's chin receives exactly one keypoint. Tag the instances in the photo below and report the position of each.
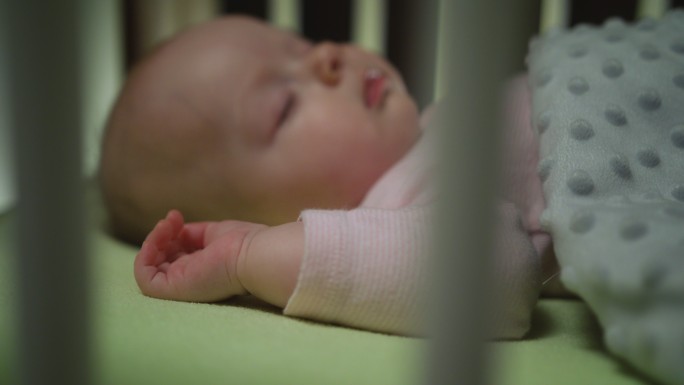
(409, 126)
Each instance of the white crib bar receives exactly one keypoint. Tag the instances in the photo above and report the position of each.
(478, 39)
(103, 72)
(652, 8)
(440, 61)
(369, 25)
(554, 14)
(286, 14)
(52, 311)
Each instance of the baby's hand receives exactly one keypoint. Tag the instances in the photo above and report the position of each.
(195, 261)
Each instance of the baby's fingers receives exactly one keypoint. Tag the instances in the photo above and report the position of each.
(166, 230)
(157, 240)
(145, 264)
(159, 247)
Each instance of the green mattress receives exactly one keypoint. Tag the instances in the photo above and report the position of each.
(139, 340)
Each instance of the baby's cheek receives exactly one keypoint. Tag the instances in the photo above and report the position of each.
(399, 121)
(408, 117)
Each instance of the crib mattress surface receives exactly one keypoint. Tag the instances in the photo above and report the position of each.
(139, 340)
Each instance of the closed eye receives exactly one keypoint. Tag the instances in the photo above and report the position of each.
(286, 110)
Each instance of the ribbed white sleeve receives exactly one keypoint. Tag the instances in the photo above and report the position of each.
(363, 268)
(367, 268)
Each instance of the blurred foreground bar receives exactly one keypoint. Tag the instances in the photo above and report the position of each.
(479, 43)
(52, 309)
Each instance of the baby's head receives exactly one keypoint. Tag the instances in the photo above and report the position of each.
(235, 119)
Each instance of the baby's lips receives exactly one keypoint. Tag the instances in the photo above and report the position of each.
(374, 87)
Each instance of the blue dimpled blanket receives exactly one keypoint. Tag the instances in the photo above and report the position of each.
(608, 106)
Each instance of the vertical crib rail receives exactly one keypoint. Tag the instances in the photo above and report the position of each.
(369, 25)
(442, 48)
(286, 14)
(479, 40)
(52, 306)
(554, 14)
(652, 8)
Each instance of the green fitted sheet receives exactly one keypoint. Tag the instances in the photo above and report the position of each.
(139, 340)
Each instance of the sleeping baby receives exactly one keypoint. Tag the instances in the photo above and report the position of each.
(304, 173)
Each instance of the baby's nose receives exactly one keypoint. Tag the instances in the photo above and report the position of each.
(325, 61)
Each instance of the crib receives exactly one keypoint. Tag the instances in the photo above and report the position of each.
(72, 312)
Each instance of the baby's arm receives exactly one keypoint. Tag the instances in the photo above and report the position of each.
(211, 261)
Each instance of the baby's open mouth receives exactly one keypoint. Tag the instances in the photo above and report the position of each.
(374, 87)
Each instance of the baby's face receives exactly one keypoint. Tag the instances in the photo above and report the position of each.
(284, 124)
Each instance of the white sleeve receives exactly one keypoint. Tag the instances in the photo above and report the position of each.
(367, 268)
(363, 268)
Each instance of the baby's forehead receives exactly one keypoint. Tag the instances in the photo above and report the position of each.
(229, 43)
(202, 76)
